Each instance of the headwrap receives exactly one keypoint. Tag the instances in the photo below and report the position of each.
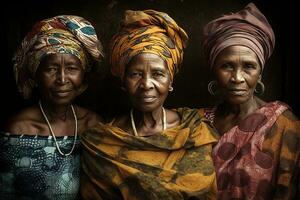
(147, 31)
(64, 34)
(248, 27)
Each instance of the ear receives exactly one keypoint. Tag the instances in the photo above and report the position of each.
(82, 88)
(35, 84)
(123, 88)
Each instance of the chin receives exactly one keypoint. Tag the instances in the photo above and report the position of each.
(147, 108)
(63, 101)
(237, 100)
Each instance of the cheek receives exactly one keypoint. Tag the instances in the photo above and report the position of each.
(45, 82)
(163, 87)
(222, 78)
(77, 80)
(130, 86)
(252, 81)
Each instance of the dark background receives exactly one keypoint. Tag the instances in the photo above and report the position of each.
(190, 86)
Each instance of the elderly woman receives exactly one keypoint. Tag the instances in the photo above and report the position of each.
(39, 155)
(151, 152)
(257, 156)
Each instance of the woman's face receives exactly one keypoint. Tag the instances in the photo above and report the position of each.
(147, 81)
(237, 71)
(60, 77)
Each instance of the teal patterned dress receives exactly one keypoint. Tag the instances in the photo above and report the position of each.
(32, 168)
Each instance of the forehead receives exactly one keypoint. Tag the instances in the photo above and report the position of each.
(237, 50)
(147, 59)
(58, 57)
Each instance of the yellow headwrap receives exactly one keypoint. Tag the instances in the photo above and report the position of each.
(147, 31)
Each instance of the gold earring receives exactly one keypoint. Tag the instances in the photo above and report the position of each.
(212, 87)
(262, 88)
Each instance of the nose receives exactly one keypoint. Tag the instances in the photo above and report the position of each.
(61, 76)
(147, 83)
(237, 76)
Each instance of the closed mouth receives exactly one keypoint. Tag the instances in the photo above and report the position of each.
(237, 92)
(62, 93)
(237, 89)
(147, 99)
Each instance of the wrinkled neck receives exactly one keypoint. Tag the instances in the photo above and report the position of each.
(148, 119)
(238, 110)
(54, 111)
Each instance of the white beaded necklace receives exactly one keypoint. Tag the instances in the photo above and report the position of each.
(164, 121)
(53, 135)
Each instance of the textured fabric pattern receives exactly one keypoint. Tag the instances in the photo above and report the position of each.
(147, 31)
(173, 165)
(259, 158)
(61, 34)
(248, 27)
(32, 168)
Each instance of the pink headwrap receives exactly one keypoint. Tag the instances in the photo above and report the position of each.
(248, 27)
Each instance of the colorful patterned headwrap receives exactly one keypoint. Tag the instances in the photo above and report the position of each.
(61, 34)
(147, 31)
(248, 27)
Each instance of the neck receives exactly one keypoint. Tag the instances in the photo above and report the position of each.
(148, 119)
(149, 123)
(238, 110)
(57, 111)
(53, 134)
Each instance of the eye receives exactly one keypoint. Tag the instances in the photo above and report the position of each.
(249, 66)
(72, 68)
(158, 74)
(135, 74)
(228, 66)
(50, 69)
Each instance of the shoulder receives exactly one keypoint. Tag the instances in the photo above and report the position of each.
(193, 118)
(121, 121)
(185, 111)
(173, 118)
(202, 130)
(288, 120)
(24, 122)
(196, 115)
(87, 117)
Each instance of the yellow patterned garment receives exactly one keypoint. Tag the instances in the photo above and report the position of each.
(147, 31)
(173, 165)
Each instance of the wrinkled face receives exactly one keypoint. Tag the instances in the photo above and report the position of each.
(237, 71)
(60, 77)
(147, 81)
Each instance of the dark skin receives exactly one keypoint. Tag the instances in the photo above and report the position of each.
(60, 79)
(237, 71)
(147, 81)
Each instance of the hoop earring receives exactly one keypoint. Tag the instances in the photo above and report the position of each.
(211, 87)
(171, 89)
(262, 88)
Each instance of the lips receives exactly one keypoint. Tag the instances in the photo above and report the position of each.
(237, 91)
(62, 93)
(147, 99)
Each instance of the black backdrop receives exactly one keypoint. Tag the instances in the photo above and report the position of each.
(104, 95)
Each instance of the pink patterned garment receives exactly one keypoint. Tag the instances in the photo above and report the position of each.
(241, 165)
